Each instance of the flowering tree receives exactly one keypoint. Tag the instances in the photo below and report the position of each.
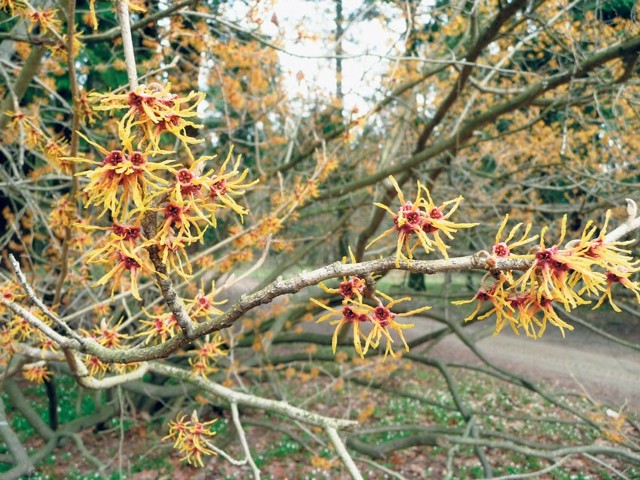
(118, 210)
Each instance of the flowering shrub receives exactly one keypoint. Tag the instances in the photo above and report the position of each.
(142, 199)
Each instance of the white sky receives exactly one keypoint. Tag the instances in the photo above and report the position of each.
(360, 75)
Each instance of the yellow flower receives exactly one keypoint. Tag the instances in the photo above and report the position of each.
(178, 224)
(11, 292)
(222, 186)
(503, 248)
(204, 306)
(190, 437)
(128, 168)
(46, 20)
(126, 261)
(545, 305)
(497, 297)
(54, 151)
(602, 253)
(622, 278)
(384, 321)
(96, 367)
(121, 237)
(36, 373)
(348, 289)
(109, 336)
(63, 214)
(421, 219)
(171, 250)
(436, 220)
(12, 5)
(556, 271)
(159, 328)
(154, 109)
(348, 315)
(201, 363)
(617, 263)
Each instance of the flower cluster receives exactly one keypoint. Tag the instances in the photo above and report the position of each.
(156, 203)
(109, 336)
(36, 372)
(159, 327)
(421, 222)
(154, 110)
(190, 436)
(567, 276)
(206, 354)
(16, 331)
(379, 318)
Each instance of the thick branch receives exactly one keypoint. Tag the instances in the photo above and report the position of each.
(468, 128)
(11, 440)
(484, 39)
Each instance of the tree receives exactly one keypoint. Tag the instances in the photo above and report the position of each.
(138, 262)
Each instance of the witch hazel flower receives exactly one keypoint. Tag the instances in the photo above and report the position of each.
(384, 322)
(421, 222)
(497, 297)
(126, 261)
(155, 110)
(122, 175)
(350, 314)
(352, 288)
(191, 437)
(559, 271)
(503, 248)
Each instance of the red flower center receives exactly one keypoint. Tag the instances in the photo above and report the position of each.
(483, 296)
(383, 315)
(518, 301)
(413, 217)
(218, 188)
(349, 315)
(184, 176)
(126, 232)
(544, 257)
(173, 212)
(114, 158)
(613, 278)
(428, 227)
(137, 159)
(559, 267)
(501, 250)
(436, 213)
(135, 100)
(545, 302)
(346, 289)
(204, 302)
(119, 230)
(129, 262)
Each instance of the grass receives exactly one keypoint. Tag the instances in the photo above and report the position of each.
(480, 393)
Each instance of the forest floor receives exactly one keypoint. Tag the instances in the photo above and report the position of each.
(591, 373)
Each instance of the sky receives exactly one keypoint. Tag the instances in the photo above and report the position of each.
(314, 21)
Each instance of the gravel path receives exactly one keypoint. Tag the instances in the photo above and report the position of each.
(582, 362)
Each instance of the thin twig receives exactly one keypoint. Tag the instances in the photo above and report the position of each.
(39, 303)
(235, 415)
(122, 10)
(342, 452)
(241, 398)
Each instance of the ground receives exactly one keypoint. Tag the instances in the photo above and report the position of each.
(604, 372)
